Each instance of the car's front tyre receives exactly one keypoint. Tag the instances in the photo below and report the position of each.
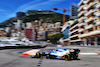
(38, 55)
(67, 57)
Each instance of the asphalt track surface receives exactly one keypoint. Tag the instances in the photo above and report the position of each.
(12, 58)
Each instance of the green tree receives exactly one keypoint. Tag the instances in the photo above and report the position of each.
(56, 37)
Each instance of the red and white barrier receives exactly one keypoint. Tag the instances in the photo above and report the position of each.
(88, 53)
(31, 52)
(59, 45)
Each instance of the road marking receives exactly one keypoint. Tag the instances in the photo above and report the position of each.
(40, 62)
(88, 53)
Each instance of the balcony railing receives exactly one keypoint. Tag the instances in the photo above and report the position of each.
(98, 23)
(88, 27)
(90, 19)
(98, 14)
(88, 1)
(74, 36)
(75, 40)
(81, 24)
(85, 1)
(90, 12)
(90, 5)
(90, 33)
(74, 31)
(80, 19)
(98, 6)
(81, 13)
(81, 2)
(81, 7)
(74, 26)
(80, 30)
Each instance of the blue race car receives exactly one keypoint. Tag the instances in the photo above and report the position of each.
(62, 53)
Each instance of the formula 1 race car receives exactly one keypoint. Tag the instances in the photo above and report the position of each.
(62, 53)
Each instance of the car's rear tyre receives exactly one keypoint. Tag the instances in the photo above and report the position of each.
(75, 57)
(47, 56)
(50, 57)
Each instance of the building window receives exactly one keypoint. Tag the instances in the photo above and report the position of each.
(81, 32)
(68, 23)
(94, 22)
(94, 6)
(84, 26)
(94, 0)
(94, 14)
(84, 19)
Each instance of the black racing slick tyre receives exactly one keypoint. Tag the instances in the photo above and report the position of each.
(47, 56)
(75, 57)
(67, 57)
(38, 55)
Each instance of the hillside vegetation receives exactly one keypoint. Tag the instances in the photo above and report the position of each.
(32, 15)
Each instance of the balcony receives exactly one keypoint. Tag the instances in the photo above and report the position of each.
(74, 26)
(88, 1)
(88, 27)
(98, 14)
(81, 13)
(85, 1)
(80, 19)
(98, 23)
(80, 30)
(81, 2)
(64, 27)
(73, 31)
(90, 12)
(74, 36)
(98, 6)
(67, 39)
(89, 20)
(75, 40)
(81, 24)
(90, 33)
(98, 1)
(90, 5)
(81, 8)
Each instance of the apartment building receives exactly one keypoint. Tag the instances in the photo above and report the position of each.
(42, 35)
(29, 24)
(58, 27)
(2, 32)
(18, 25)
(48, 29)
(74, 33)
(89, 22)
(65, 30)
(74, 12)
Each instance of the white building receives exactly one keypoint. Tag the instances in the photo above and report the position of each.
(89, 19)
